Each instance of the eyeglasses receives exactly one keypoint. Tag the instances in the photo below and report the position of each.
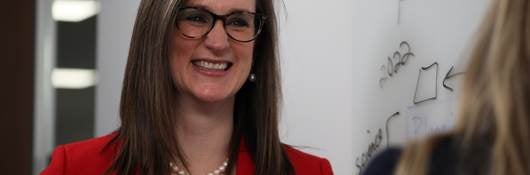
(241, 26)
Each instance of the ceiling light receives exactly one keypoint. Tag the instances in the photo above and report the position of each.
(74, 10)
(73, 78)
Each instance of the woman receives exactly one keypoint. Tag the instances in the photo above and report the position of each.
(200, 96)
(493, 133)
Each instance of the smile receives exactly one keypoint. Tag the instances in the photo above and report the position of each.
(212, 65)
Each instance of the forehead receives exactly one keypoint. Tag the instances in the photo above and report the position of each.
(224, 6)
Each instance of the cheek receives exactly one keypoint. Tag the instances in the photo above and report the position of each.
(180, 52)
(245, 54)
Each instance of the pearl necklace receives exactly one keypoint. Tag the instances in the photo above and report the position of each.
(220, 170)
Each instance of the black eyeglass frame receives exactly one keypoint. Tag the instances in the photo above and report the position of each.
(257, 17)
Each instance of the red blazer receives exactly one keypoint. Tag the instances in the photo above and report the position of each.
(88, 157)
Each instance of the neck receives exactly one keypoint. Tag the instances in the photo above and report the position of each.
(203, 131)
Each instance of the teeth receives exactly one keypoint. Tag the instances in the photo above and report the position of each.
(209, 65)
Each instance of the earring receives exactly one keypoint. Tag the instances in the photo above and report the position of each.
(252, 77)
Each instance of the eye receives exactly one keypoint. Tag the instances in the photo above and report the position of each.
(197, 18)
(238, 22)
(194, 16)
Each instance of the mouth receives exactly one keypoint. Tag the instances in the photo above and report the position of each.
(210, 65)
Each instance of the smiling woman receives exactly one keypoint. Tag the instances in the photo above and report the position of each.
(201, 95)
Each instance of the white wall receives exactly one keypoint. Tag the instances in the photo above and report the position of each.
(44, 122)
(316, 40)
(114, 30)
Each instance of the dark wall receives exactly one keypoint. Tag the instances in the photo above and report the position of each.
(17, 45)
(76, 48)
(76, 44)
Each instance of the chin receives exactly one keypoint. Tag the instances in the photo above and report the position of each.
(213, 97)
(210, 99)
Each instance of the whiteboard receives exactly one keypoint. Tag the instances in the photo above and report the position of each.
(403, 52)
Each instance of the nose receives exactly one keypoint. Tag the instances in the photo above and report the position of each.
(217, 39)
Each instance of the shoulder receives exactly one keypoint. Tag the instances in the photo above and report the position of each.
(90, 147)
(308, 164)
(92, 156)
(442, 158)
(384, 162)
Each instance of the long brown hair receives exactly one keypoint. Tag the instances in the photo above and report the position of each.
(494, 114)
(147, 134)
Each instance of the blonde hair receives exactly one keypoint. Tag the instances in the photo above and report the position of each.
(495, 104)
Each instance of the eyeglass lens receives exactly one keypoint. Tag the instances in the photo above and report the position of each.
(240, 26)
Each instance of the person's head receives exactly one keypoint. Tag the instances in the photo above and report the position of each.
(179, 50)
(495, 105)
(211, 48)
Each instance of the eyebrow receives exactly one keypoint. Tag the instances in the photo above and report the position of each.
(231, 11)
